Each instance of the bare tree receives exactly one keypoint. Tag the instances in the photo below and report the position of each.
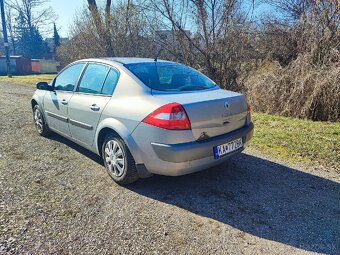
(103, 27)
(34, 13)
(128, 29)
(217, 38)
(292, 9)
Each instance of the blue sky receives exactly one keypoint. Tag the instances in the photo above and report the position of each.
(66, 10)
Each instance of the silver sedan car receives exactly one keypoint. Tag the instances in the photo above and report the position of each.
(143, 116)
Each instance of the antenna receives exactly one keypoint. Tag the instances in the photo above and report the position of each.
(159, 52)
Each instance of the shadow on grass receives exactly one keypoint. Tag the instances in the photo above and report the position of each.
(256, 196)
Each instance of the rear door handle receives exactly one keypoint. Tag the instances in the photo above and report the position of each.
(64, 101)
(95, 107)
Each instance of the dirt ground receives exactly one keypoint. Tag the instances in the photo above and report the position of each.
(56, 198)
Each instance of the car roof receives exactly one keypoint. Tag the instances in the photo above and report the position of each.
(134, 60)
(125, 60)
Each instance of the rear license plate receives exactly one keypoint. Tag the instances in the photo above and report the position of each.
(224, 149)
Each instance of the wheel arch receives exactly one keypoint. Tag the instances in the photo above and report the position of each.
(120, 130)
(33, 103)
(101, 137)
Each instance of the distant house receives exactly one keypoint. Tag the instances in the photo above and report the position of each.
(19, 65)
(44, 66)
(169, 36)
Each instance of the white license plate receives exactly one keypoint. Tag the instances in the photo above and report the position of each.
(224, 149)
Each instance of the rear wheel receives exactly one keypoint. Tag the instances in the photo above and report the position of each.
(118, 160)
(39, 122)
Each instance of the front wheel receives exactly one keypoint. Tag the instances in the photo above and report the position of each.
(39, 122)
(118, 160)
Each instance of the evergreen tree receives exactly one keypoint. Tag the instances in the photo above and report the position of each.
(56, 37)
(30, 43)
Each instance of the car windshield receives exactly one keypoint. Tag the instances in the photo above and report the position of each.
(170, 76)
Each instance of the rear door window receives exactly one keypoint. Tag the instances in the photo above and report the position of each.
(110, 82)
(93, 79)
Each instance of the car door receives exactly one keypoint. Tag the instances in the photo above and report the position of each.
(90, 98)
(56, 101)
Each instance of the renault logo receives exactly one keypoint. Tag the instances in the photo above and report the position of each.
(226, 105)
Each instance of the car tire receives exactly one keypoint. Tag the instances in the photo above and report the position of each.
(118, 160)
(39, 122)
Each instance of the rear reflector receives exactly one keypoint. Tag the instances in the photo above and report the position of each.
(170, 116)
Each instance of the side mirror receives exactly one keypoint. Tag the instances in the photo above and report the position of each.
(43, 86)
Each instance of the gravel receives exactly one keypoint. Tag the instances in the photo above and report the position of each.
(56, 198)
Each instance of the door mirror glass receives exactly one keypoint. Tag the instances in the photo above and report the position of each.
(43, 85)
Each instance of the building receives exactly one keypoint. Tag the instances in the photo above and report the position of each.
(43, 66)
(19, 65)
(170, 36)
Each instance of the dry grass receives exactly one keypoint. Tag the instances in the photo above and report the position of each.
(29, 79)
(298, 90)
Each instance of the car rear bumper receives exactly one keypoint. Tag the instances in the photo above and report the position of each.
(197, 150)
(184, 158)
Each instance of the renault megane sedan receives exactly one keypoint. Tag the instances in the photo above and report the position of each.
(143, 116)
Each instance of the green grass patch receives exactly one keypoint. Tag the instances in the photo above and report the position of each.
(28, 79)
(297, 140)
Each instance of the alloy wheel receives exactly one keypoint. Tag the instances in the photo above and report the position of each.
(114, 158)
(38, 121)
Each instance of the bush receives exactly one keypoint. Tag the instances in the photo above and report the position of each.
(298, 90)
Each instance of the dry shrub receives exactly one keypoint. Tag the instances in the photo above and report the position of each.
(298, 90)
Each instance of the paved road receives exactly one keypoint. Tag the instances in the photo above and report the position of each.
(57, 199)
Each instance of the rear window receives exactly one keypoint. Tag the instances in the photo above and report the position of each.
(170, 77)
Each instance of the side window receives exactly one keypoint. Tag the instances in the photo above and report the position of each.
(110, 82)
(67, 79)
(93, 79)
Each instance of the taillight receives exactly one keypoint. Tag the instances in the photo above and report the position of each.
(170, 116)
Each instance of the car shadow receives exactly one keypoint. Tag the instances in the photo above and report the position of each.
(58, 138)
(258, 197)
(254, 195)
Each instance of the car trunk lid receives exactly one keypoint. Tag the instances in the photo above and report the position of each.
(212, 112)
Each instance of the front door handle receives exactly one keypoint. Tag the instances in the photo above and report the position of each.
(64, 101)
(95, 107)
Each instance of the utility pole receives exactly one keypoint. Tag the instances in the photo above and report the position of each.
(4, 29)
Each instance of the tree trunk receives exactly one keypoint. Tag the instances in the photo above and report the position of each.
(103, 30)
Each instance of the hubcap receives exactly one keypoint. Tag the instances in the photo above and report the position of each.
(114, 158)
(38, 120)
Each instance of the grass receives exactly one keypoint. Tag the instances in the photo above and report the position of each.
(28, 79)
(297, 140)
(292, 139)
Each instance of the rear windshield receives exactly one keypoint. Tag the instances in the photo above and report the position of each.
(170, 76)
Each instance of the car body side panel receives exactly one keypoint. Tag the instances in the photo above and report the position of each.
(122, 130)
(38, 96)
(84, 113)
(55, 109)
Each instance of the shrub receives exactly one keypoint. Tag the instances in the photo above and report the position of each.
(299, 90)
